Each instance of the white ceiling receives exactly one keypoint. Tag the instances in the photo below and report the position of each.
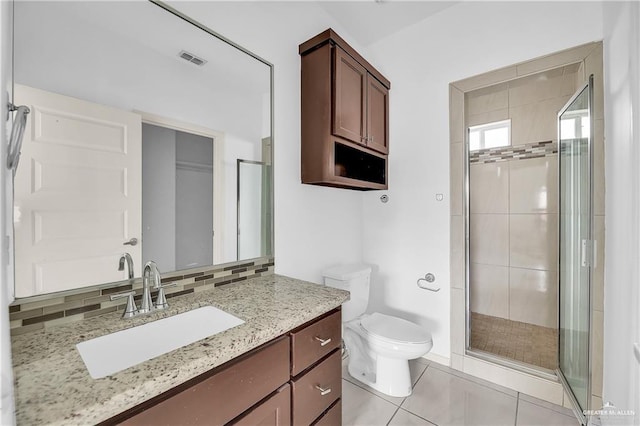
(370, 21)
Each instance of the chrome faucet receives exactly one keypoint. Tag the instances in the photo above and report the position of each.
(129, 259)
(150, 272)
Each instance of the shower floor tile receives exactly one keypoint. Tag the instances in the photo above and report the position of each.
(515, 340)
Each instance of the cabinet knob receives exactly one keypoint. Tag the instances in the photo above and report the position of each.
(323, 391)
(323, 342)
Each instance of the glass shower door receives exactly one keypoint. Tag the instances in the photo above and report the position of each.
(254, 228)
(576, 247)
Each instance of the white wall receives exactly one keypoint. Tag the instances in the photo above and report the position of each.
(314, 227)
(622, 267)
(409, 236)
(128, 71)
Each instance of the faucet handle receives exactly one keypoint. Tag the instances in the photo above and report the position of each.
(131, 309)
(161, 299)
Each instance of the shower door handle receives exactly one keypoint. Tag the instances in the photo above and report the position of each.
(585, 253)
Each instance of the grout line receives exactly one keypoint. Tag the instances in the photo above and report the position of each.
(558, 409)
(367, 389)
(515, 421)
(394, 414)
(476, 381)
(420, 417)
(413, 386)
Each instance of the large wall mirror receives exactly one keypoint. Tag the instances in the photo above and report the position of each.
(147, 135)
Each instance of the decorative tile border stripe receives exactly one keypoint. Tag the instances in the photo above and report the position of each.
(575, 147)
(510, 153)
(60, 309)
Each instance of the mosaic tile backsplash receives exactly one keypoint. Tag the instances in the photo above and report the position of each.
(508, 153)
(36, 315)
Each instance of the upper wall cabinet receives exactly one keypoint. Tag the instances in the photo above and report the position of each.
(345, 116)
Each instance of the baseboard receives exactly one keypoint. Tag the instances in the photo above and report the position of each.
(437, 358)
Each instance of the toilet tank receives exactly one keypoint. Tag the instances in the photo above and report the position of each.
(355, 279)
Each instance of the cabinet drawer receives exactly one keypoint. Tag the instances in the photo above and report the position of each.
(275, 411)
(225, 395)
(313, 342)
(333, 417)
(307, 397)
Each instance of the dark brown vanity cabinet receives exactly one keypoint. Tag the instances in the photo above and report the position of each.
(292, 380)
(345, 116)
(316, 369)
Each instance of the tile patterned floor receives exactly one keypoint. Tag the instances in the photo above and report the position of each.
(443, 397)
(519, 341)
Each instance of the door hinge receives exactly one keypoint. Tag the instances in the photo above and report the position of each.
(587, 253)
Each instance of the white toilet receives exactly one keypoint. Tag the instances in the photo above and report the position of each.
(379, 346)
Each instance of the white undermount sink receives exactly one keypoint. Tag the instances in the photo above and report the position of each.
(117, 351)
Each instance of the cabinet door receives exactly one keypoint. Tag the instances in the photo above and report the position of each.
(333, 416)
(315, 391)
(349, 97)
(275, 411)
(223, 396)
(377, 115)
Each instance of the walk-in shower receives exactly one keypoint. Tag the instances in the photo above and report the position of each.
(529, 222)
(527, 226)
(512, 165)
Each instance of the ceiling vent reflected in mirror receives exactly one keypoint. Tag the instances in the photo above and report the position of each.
(191, 58)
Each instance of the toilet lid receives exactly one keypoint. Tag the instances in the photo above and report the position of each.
(394, 329)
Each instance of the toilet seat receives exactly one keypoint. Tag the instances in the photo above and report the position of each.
(394, 330)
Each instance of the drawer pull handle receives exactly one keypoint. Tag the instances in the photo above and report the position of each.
(323, 342)
(323, 392)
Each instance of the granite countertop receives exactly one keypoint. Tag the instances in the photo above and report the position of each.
(53, 386)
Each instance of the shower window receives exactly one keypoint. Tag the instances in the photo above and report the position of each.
(575, 124)
(490, 135)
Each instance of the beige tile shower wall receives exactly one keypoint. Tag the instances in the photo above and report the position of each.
(457, 227)
(513, 204)
(593, 65)
(513, 239)
(531, 103)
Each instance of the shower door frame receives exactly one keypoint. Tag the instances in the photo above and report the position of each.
(240, 161)
(591, 252)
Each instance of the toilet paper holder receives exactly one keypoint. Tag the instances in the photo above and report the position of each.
(428, 279)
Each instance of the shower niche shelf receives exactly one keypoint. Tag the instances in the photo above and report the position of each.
(345, 116)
